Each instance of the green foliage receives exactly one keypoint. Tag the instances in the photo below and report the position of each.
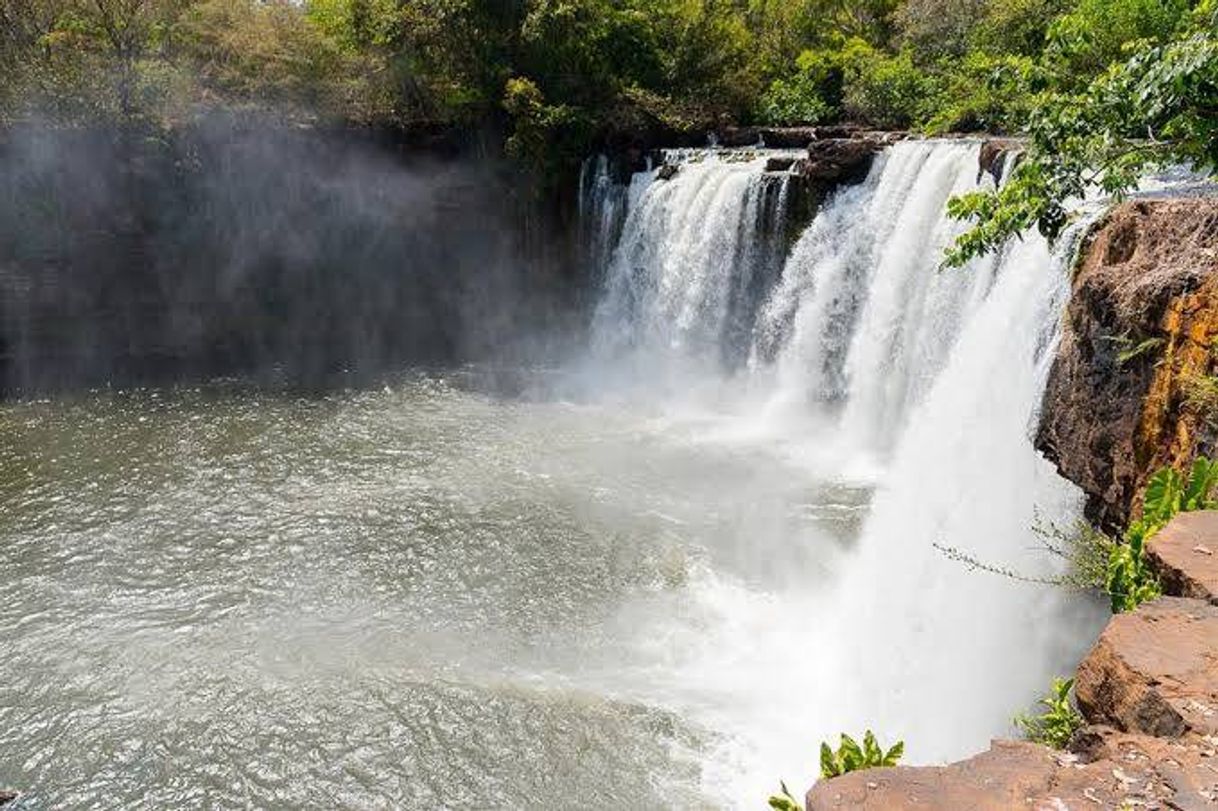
(1131, 581)
(1057, 724)
(851, 757)
(785, 800)
(814, 92)
(886, 91)
(1130, 578)
(793, 101)
(1158, 107)
(1133, 351)
(982, 92)
(1104, 88)
(1097, 33)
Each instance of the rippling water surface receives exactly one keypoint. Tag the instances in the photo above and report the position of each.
(423, 596)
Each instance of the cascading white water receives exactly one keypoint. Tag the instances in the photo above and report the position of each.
(695, 254)
(864, 360)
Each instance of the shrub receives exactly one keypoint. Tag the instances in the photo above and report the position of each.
(813, 93)
(785, 801)
(793, 101)
(886, 91)
(982, 92)
(1131, 581)
(1058, 723)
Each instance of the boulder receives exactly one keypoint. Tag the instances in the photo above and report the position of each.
(1185, 555)
(780, 163)
(839, 160)
(1154, 670)
(788, 137)
(738, 136)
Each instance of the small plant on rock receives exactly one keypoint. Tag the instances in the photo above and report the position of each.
(785, 801)
(1058, 723)
(1131, 581)
(851, 757)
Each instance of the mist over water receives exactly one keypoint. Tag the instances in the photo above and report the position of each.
(238, 245)
(656, 575)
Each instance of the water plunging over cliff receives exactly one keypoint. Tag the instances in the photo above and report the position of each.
(867, 366)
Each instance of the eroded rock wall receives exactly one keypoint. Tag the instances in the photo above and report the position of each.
(1133, 387)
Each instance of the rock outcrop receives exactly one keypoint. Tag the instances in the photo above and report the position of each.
(1133, 386)
(839, 160)
(1149, 692)
(1186, 557)
(1155, 670)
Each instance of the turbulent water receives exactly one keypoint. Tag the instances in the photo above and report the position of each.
(655, 577)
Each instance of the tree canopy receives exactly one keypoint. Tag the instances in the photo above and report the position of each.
(1101, 87)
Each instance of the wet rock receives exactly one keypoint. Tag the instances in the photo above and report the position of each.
(1185, 555)
(739, 136)
(1153, 670)
(994, 155)
(839, 160)
(668, 171)
(782, 163)
(1130, 388)
(788, 137)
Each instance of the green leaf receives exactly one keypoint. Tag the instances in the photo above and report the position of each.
(850, 753)
(1201, 481)
(829, 765)
(894, 754)
(1162, 498)
(871, 751)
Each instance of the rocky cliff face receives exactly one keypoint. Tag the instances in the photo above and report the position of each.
(1133, 387)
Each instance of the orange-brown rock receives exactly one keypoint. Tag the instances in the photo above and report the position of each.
(1123, 770)
(1185, 554)
(1154, 670)
(1133, 384)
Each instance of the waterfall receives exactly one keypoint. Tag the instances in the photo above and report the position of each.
(695, 256)
(855, 355)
